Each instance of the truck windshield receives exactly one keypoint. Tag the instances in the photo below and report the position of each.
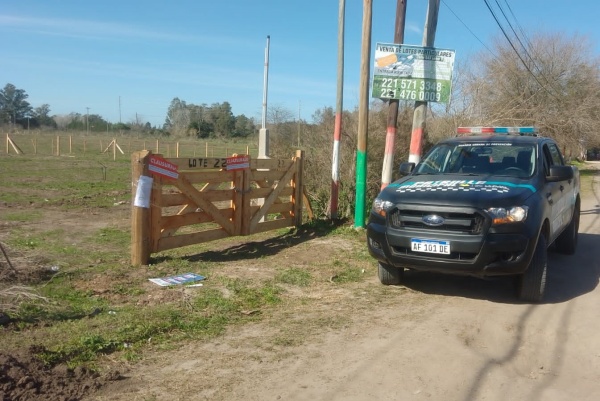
(481, 158)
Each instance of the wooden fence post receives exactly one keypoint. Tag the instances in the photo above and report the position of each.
(298, 187)
(140, 216)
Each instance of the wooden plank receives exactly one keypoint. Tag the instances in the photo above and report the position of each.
(270, 175)
(168, 231)
(257, 193)
(178, 241)
(237, 201)
(246, 204)
(271, 198)
(210, 176)
(169, 200)
(182, 220)
(155, 212)
(188, 189)
(270, 164)
(298, 184)
(175, 199)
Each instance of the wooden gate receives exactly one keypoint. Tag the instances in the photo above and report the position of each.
(184, 201)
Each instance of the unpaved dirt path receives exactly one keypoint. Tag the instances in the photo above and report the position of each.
(437, 338)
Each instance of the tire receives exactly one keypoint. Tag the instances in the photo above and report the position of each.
(567, 240)
(532, 283)
(389, 275)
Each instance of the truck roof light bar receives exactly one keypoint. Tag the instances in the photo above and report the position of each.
(530, 131)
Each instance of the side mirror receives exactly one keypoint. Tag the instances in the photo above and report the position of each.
(560, 173)
(406, 168)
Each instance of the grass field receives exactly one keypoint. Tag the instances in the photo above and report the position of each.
(65, 222)
(113, 147)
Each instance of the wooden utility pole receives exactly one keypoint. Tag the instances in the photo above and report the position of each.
(363, 116)
(337, 131)
(390, 137)
(420, 114)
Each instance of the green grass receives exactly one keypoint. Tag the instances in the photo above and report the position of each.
(23, 216)
(587, 175)
(95, 303)
(294, 276)
(78, 326)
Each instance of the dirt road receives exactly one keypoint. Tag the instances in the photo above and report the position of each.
(437, 338)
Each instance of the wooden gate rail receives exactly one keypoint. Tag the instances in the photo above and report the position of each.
(203, 201)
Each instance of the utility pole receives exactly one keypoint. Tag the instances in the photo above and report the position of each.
(420, 114)
(337, 130)
(263, 134)
(87, 120)
(392, 121)
(298, 124)
(363, 116)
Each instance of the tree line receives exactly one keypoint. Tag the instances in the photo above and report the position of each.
(183, 119)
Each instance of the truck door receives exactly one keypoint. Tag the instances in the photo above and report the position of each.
(558, 194)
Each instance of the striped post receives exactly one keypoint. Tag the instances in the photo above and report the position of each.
(363, 117)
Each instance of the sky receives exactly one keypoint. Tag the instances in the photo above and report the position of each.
(127, 60)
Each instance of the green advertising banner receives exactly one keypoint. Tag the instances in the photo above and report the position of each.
(406, 72)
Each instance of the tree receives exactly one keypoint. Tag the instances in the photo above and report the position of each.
(178, 118)
(244, 127)
(13, 106)
(222, 119)
(41, 117)
(554, 85)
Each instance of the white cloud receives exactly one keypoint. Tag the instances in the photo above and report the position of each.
(90, 29)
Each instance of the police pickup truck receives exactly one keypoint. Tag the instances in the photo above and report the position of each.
(488, 202)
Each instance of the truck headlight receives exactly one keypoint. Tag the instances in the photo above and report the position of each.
(502, 215)
(381, 206)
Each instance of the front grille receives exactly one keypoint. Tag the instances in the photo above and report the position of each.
(454, 221)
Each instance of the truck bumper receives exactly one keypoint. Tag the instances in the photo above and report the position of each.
(471, 255)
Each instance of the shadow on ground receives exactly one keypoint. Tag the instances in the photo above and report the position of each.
(267, 247)
(568, 277)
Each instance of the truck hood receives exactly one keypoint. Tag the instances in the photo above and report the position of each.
(481, 192)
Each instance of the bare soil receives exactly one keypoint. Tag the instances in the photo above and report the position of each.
(433, 338)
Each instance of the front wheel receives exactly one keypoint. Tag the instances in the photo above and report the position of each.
(389, 275)
(532, 283)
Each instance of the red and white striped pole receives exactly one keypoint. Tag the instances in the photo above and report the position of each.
(418, 127)
(390, 136)
(337, 131)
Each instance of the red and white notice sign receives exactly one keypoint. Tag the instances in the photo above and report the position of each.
(239, 162)
(160, 166)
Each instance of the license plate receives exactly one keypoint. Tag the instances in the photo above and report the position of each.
(430, 246)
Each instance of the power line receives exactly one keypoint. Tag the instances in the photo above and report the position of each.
(518, 25)
(515, 49)
(468, 29)
(523, 46)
